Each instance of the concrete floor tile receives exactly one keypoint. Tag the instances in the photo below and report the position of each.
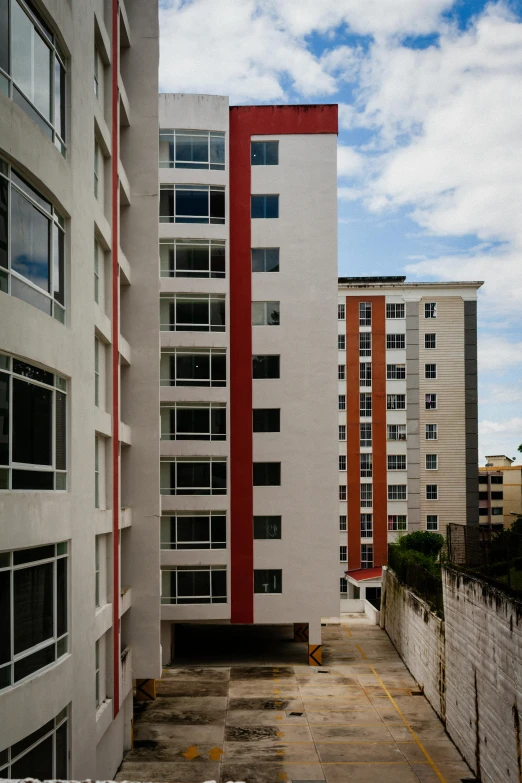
(284, 733)
(270, 703)
(169, 772)
(441, 752)
(451, 773)
(342, 716)
(197, 673)
(362, 751)
(428, 729)
(186, 752)
(268, 750)
(370, 773)
(348, 733)
(189, 735)
(270, 773)
(260, 672)
(174, 687)
(262, 718)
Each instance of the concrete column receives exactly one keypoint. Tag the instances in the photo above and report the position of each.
(315, 649)
(167, 636)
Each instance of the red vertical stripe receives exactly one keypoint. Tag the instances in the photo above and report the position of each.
(245, 122)
(115, 362)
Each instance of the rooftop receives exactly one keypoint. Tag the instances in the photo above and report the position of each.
(399, 281)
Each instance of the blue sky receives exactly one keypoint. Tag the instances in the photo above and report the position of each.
(430, 170)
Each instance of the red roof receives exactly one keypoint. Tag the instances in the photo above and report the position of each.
(361, 574)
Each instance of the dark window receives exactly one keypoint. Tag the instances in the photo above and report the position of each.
(37, 762)
(266, 419)
(365, 313)
(483, 480)
(497, 512)
(4, 35)
(483, 512)
(268, 581)
(264, 153)
(497, 479)
(267, 474)
(198, 478)
(265, 366)
(265, 259)
(267, 527)
(497, 496)
(395, 341)
(30, 241)
(483, 495)
(430, 340)
(4, 419)
(32, 423)
(33, 601)
(200, 369)
(192, 204)
(198, 423)
(265, 206)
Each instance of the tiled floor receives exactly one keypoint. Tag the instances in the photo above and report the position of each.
(353, 721)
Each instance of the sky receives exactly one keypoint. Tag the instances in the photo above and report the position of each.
(430, 140)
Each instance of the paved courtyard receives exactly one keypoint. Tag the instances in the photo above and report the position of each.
(358, 719)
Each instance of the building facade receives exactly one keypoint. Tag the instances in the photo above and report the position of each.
(247, 207)
(500, 492)
(79, 478)
(407, 401)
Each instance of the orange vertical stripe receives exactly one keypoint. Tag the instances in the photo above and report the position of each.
(380, 489)
(352, 432)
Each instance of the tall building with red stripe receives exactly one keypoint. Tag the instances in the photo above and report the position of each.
(248, 253)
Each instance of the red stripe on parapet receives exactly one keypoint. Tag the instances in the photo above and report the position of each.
(245, 122)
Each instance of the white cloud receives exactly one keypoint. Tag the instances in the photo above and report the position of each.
(349, 161)
(497, 353)
(500, 437)
(496, 394)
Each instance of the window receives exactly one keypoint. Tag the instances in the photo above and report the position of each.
(98, 69)
(365, 313)
(202, 584)
(396, 431)
(343, 587)
(97, 253)
(264, 206)
(192, 258)
(42, 754)
(268, 580)
(396, 461)
(265, 259)
(432, 462)
(430, 340)
(35, 68)
(34, 617)
(366, 525)
(365, 374)
(394, 341)
(342, 462)
(32, 245)
(365, 344)
(395, 372)
(430, 309)
(483, 512)
(394, 310)
(190, 367)
(267, 474)
(97, 573)
(264, 153)
(342, 492)
(497, 495)
(365, 432)
(341, 342)
(342, 522)
(366, 555)
(397, 522)
(33, 408)
(431, 431)
(193, 421)
(183, 149)
(267, 527)
(342, 402)
(483, 495)
(432, 492)
(483, 479)
(194, 530)
(397, 492)
(431, 402)
(343, 554)
(266, 313)
(365, 404)
(96, 371)
(432, 521)
(192, 204)
(366, 465)
(265, 367)
(96, 471)
(366, 495)
(341, 312)
(341, 372)
(98, 165)
(194, 476)
(192, 313)
(430, 370)
(495, 479)
(342, 432)
(266, 419)
(396, 402)
(497, 512)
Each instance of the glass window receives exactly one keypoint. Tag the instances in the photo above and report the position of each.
(33, 231)
(34, 404)
(342, 492)
(268, 581)
(267, 527)
(342, 462)
(192, 204)
(42, 755)
(397, 492)
(206, 367)
(266, 419)
(396, 402)
(365, 404)
(194, 585)
(264, 206)
(341, 342)
(396, 432)
(365, 313)
(193, 476)
(366, 525)
(430, 310)
(366, 495)
(266, 313)
(264, 153)
(342, 522)
(366, 555)
(366, 465)
(397, 522)
(431, 402)
(342, 431)
(394, 310)
(395, 372)
(343, 554)
(430, 370)
(194, 530)
(186, 421)
(265, 259)
(267, 474)
(365, 344)
(365, 435)
(432, 462)
(495, 479)
(341, 372)
(197, 313)
(342, 402)
(341, 312)
(396, 461)
(343, 586)
(265, 367)
(365, 374)
(33, 597)
(432, 521)
(432, 492)
(192, 258)
(497, 511)
(431, 432)
(394, 341)
(497, 495)
(430, 340)
(188, 149)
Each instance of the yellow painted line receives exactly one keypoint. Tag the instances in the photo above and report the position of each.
(345, 628)
(417, 740)
(360, 650)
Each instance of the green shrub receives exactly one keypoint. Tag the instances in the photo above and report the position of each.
(423, 541)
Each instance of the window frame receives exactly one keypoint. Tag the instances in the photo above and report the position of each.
(193, 490)
(392, 308)
(262, 145)
(428, 458)
(366, 525)
(266, 411)
(397, 523)
(365, 313)
(430, 310)
(213, 541)
(395, 342)
(343, 523)
(267, 517)
(177, 435)
(431, 404)
(194, 600)
(210, 382)
(431, 525)
(365, 405)
(432, 429)
(366, 495)
(41, 735)
(342, 493)
(365, 344)
(256, 467)
(173, 325)
(343, 583)
(341, 312)
(365, 465)
(271, 572)
(342, 433)
(341, 402)
(343, 553)
(397, 492)
(395, 372)
(396, 457)
(341, 342)
(366, 555)
(430, 371)
(264, 196)
(171, 135)
(365, 374)
(433, 490)
(202, 244)
(266, 356)
(395, 402)
(428, 339)
(257, 250)
(207, 219)
(366, 442)
(266, 306)
(341, 372)
(342, 463)
(399, 429)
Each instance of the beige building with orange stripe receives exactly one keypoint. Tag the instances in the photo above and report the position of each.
(407, 399)
(500, 492)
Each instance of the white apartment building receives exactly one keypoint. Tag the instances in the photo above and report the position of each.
(247, 207)
(407, 402)
(79, 479)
